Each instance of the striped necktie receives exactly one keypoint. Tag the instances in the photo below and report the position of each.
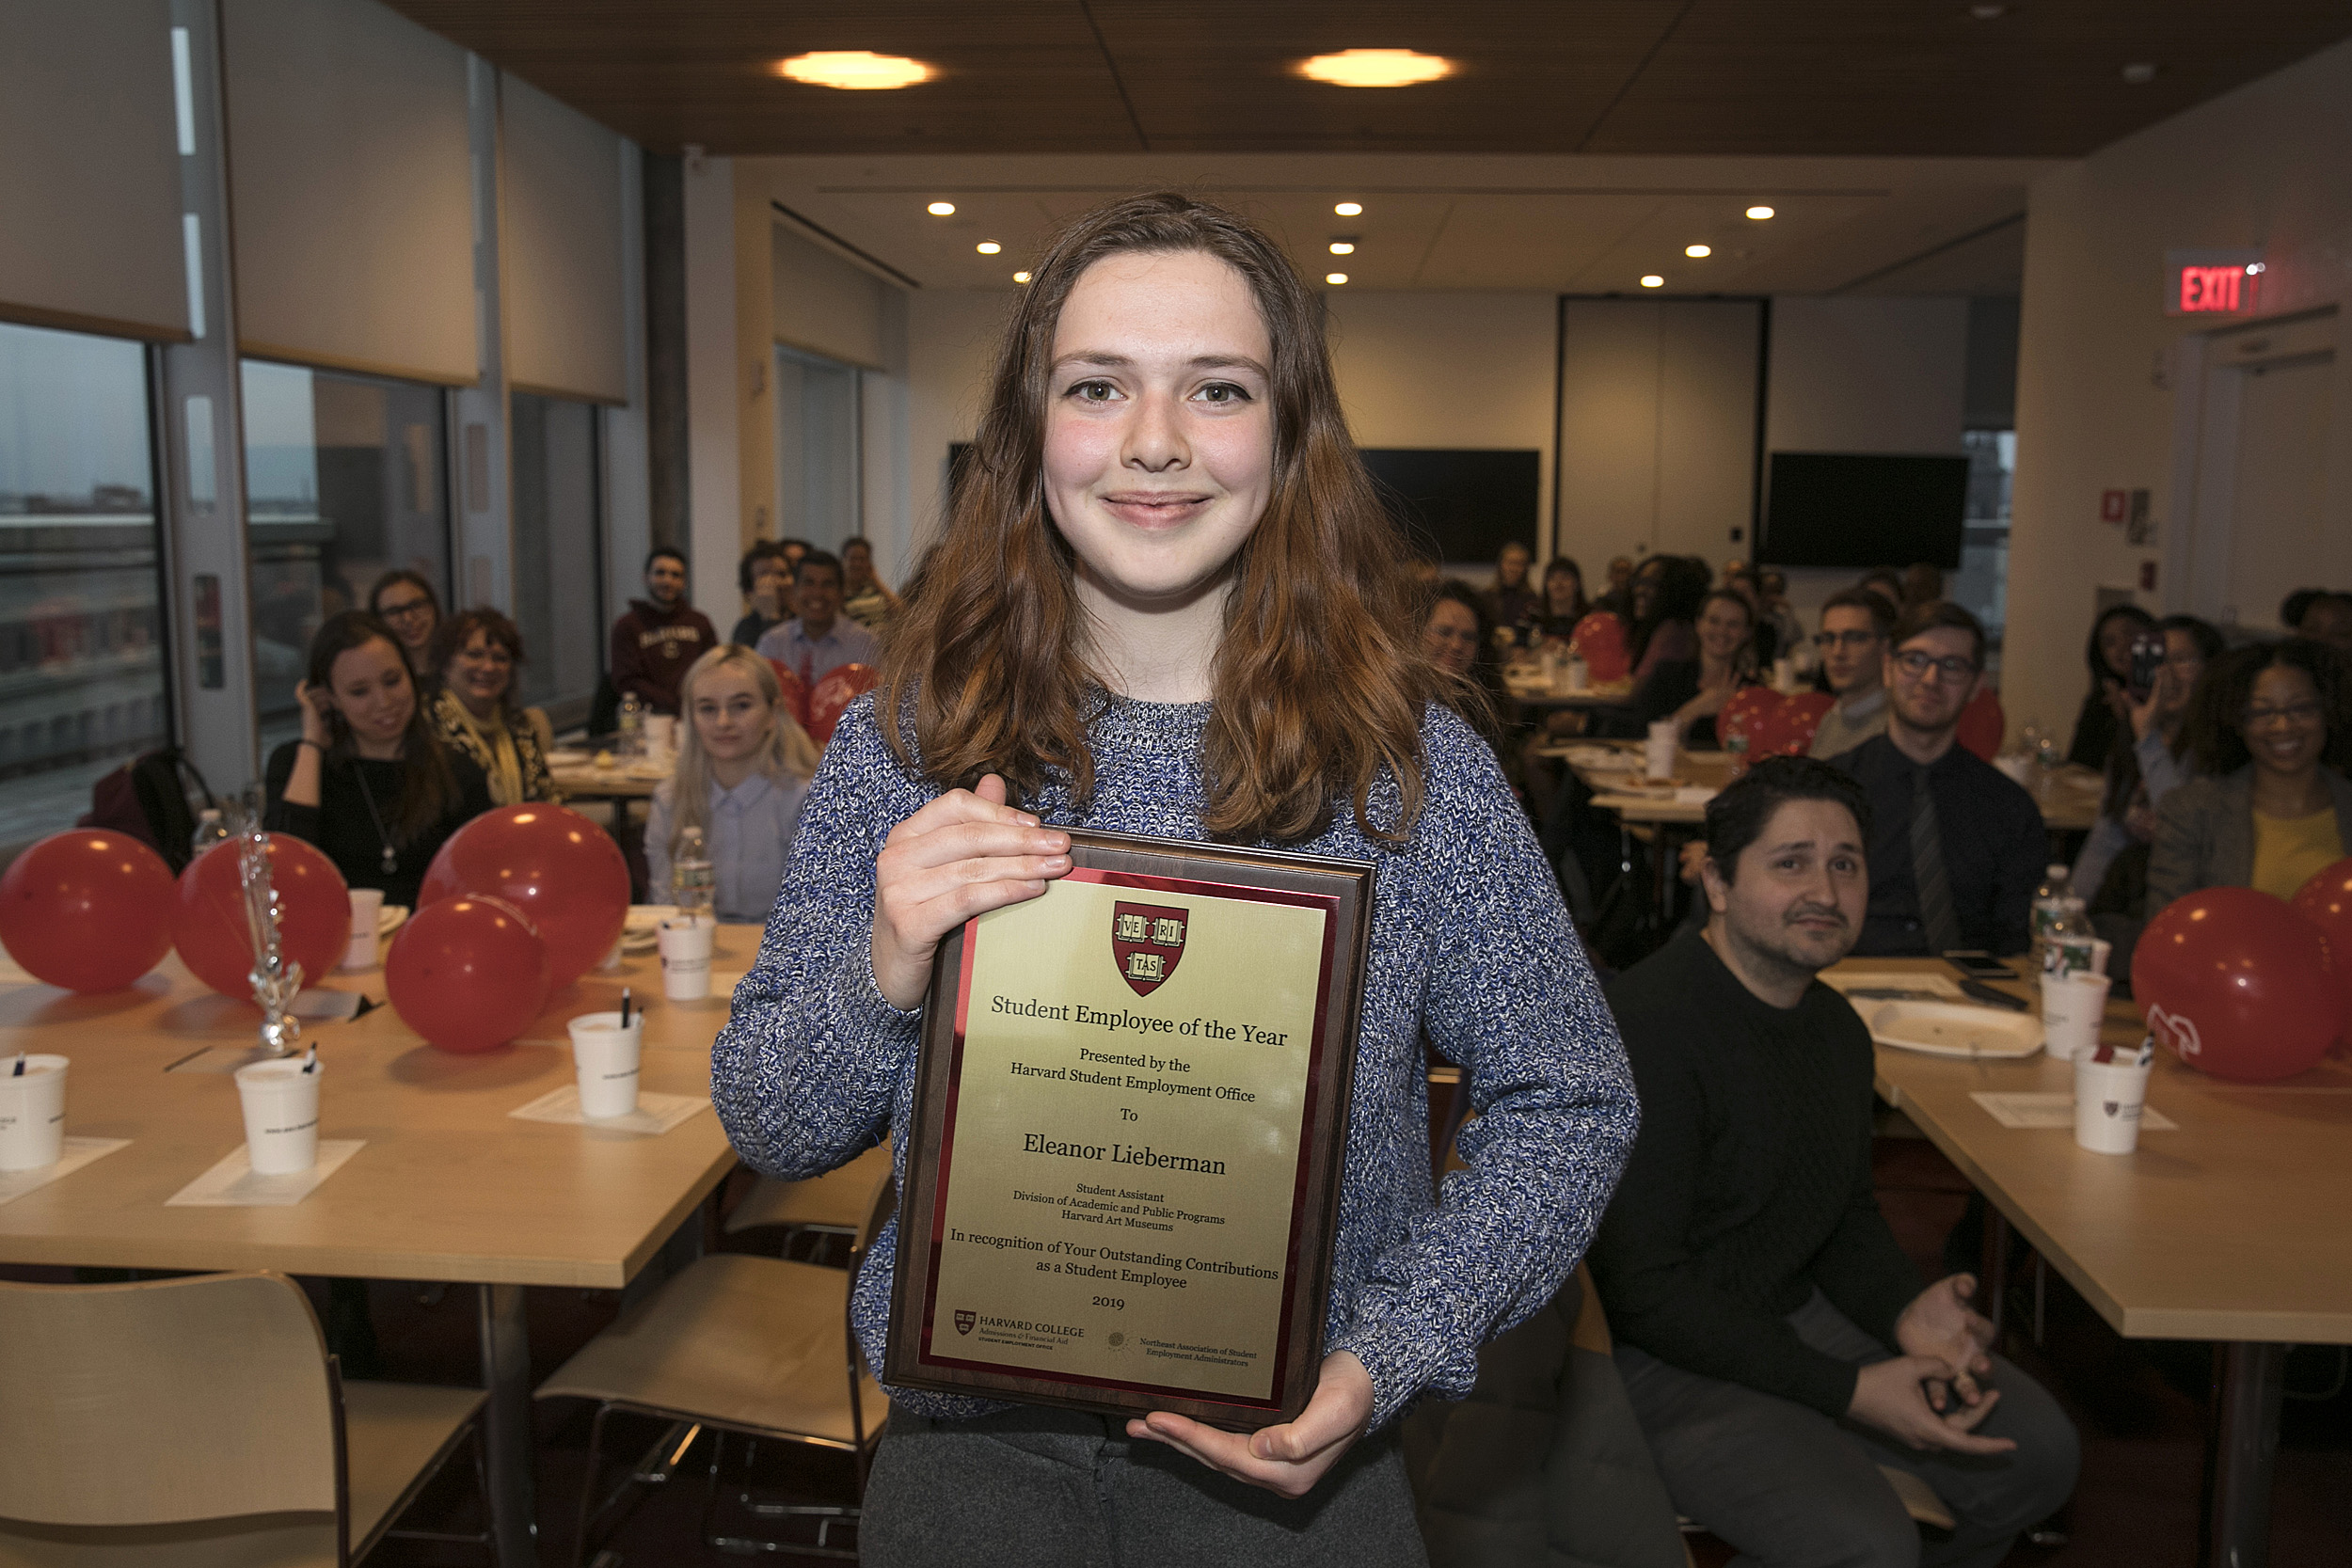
(1927, 870)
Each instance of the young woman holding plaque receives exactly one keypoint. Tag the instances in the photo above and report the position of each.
(1168, 602)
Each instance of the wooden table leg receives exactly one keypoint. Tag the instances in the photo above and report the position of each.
(506, 1426)
(2242, 1445)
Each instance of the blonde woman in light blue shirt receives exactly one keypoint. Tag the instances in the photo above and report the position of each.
(744, 769)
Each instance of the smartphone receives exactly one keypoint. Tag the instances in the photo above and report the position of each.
(1981, 966)
(2147, 658)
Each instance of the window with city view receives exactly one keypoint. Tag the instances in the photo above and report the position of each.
(82, 668)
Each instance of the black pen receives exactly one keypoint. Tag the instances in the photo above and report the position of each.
(624, 1007)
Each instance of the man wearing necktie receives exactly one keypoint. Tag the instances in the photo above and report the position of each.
(1956, 846)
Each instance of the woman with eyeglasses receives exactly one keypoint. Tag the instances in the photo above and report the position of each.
(2141, 774)
(2271, 729)
(475, 713)
(404, 601)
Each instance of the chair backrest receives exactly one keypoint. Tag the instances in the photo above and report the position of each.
(164, 1400)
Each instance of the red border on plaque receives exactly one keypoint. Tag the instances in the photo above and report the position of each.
(1178, 885)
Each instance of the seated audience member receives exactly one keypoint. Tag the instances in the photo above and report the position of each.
(1666, 595)
(475, 714)
(1459, 639)
(1959, 846)
(368, 783)
(2270, 732)
(2098, 728)
(1618, 598)
(1693, 693)
(1887, 583)
(764, 576)
(794, 550)
(660, 635)
(2329, 620)
(743, 768)
(403, 601)
(1852, 642)
(1562, 604)
(820, 639)
(2140, 775)
(1922, 584)
(1510, 600)
(866, 598)
(2291, 608)
(1771, 605)
(1772, 1339)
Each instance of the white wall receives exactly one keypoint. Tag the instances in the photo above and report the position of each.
(2264, 167)
(951, 341)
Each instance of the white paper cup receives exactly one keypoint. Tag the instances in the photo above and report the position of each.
(1658, 751)
(32, 1112)
(282, 1114)
(2073, 1006)
(661, 733)
(1580, 674)
(685, 959)
(606, 1056)
(367, 912)
(2109, 1099)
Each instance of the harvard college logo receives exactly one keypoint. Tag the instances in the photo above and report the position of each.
(963, 1323)
(1148, 939)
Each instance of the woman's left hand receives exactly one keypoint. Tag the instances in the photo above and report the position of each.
(1287, 1459)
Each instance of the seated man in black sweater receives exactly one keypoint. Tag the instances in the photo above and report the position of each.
(1773, 1338)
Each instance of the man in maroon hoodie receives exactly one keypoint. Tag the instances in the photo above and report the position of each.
(661, 636)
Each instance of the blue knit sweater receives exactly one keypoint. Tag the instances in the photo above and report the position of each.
(1470, 943)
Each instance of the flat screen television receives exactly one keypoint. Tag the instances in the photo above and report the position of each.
(1863, 510)
(1458, 505)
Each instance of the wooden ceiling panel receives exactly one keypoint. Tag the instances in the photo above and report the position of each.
(1715, 78)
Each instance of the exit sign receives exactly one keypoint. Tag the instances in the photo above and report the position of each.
(2211, 282)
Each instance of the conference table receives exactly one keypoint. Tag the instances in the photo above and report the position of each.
(448, 1186)
(2230, 1229)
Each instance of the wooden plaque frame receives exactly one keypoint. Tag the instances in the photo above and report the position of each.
(1344, 887)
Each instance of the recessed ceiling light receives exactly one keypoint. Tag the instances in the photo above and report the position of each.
(1759, 213)
(1343, 247)
(1019, 277)
(2140, 73)
(1696, 251)
(1653, 282)
(1988, 13)
(1349, 209)
(1335, 277)
(988, 247)
(859, 69)
(942, 209)
(1375, 68)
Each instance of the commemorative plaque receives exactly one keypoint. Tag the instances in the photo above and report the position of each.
(1130, 1115)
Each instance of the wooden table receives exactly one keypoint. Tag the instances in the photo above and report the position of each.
(2232, 1229)
(449, 1187)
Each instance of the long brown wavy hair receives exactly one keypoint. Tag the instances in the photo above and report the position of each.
(1318, 685)
(428, 790)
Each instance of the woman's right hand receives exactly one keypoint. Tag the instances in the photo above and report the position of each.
(963, 855)
(312, 701)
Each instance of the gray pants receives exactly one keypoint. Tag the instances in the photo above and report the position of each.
(1790, 1488)
(1058, 1489)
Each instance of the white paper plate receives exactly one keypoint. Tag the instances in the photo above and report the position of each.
(1604, 759)
(644, 918)
(1952, 1029)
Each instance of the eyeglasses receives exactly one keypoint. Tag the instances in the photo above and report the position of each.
(1916, 665)
(401, 610)
(2294, 713)
(1850, 638)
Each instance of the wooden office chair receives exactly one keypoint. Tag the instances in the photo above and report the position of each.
(759, 1346)
(199, 1422)
(833, 1204)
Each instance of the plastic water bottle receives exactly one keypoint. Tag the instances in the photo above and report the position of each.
(1735, 740)
(632, 724)
(2049, 907)
(691, 878)
(210, 830)
(2067, 947)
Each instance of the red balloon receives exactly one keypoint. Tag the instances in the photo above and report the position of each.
(560, 870)
(2326, 901)
(468, 973)
(1982, 724)
(1800, 716)
(86, 909)
(795, 691)
(1751, 711)
(1600, 638)
(208, 924)
(842, 685)
(2239, 984)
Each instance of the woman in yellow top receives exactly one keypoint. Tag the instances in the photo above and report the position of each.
(2271, 731)
(475, 654)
